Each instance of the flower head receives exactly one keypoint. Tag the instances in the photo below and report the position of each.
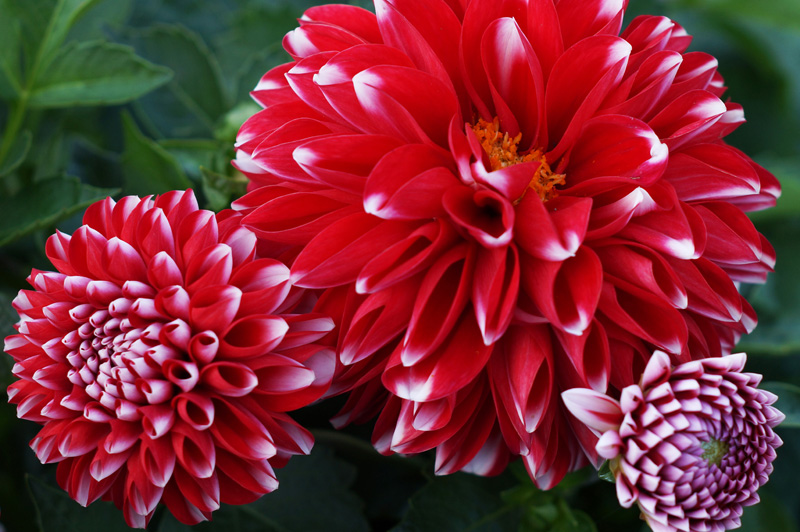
(161, 359)
(690, 445)
(495, 196)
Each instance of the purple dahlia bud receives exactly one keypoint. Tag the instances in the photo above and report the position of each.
(690, 445)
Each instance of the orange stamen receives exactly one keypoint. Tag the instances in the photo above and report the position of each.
(502, 151)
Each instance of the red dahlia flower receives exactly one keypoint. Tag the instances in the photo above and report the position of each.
(496, 196)
(162, 357)
(690, 445)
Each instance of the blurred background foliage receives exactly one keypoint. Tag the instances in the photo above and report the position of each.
(116, 97)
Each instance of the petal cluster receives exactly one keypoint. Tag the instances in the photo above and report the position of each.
(690, 445)
(495, 196)
(162, 358)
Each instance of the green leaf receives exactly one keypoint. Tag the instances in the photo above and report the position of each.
(95, 73)
(788, 401)
(65, 14)
(458, 503)
(605, 472)
(16, 155)
(781, 13)
(57, 512)
(44, 203)
(769, 514)
(313, 496)
(195, 99)
(10, 75)
(147, 167)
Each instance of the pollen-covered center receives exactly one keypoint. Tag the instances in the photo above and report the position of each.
(502, 151)
(714, 451)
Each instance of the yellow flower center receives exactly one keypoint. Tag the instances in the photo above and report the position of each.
(502, 151)
(714, 451)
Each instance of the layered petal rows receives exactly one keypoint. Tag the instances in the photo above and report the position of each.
(502, 200)
(691, 445)
(162, 358)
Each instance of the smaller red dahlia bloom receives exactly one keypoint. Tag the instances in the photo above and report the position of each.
(690, 445)
(162, 357)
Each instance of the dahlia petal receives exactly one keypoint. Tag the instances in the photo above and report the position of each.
(427, 31)
(212, 267)
(300, 77)
(596, 410)
(335, 81)
(521, 375)
(388, 94)
(201, 493)
(305, 329)
(157, 420)
(195, 410)
(80, 436)
(580, 80)
(163, 271)
(590, 355)
(648, 316)
(485, 214)
(252, 335)
(314, 37)
(687, 117)
(646, 269)
(123, 261)
(567, 293)
(443, 371)
(696, 72)
(264, 284)
(337, 254)
(379, 319)
(580, 19)
(197, 232)
(280, 375)
(352, 18)
(173, 301)
(711, 292)
(214, 307)
(494, 290)
(295, 217)
(405, 258)
(646, 87)
(240, 432)
(408, 183)
(440, 302)
(203, 346)
(274, 153)
(180, 506)
(182, 373)
(552, 230)
(731, 235)
(711, 172)
(343, 161)
(664, 223)
(615, 145)
(609, 445)
(157, 460)
(155, 235)
(262, 124)
(256, 476)
(515, 81)
(272, 87)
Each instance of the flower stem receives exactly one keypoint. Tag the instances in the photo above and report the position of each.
(13, 125)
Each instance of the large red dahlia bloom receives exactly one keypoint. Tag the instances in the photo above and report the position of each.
(162, 358)
(497, 196)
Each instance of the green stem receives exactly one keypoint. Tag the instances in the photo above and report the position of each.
(13, 125)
